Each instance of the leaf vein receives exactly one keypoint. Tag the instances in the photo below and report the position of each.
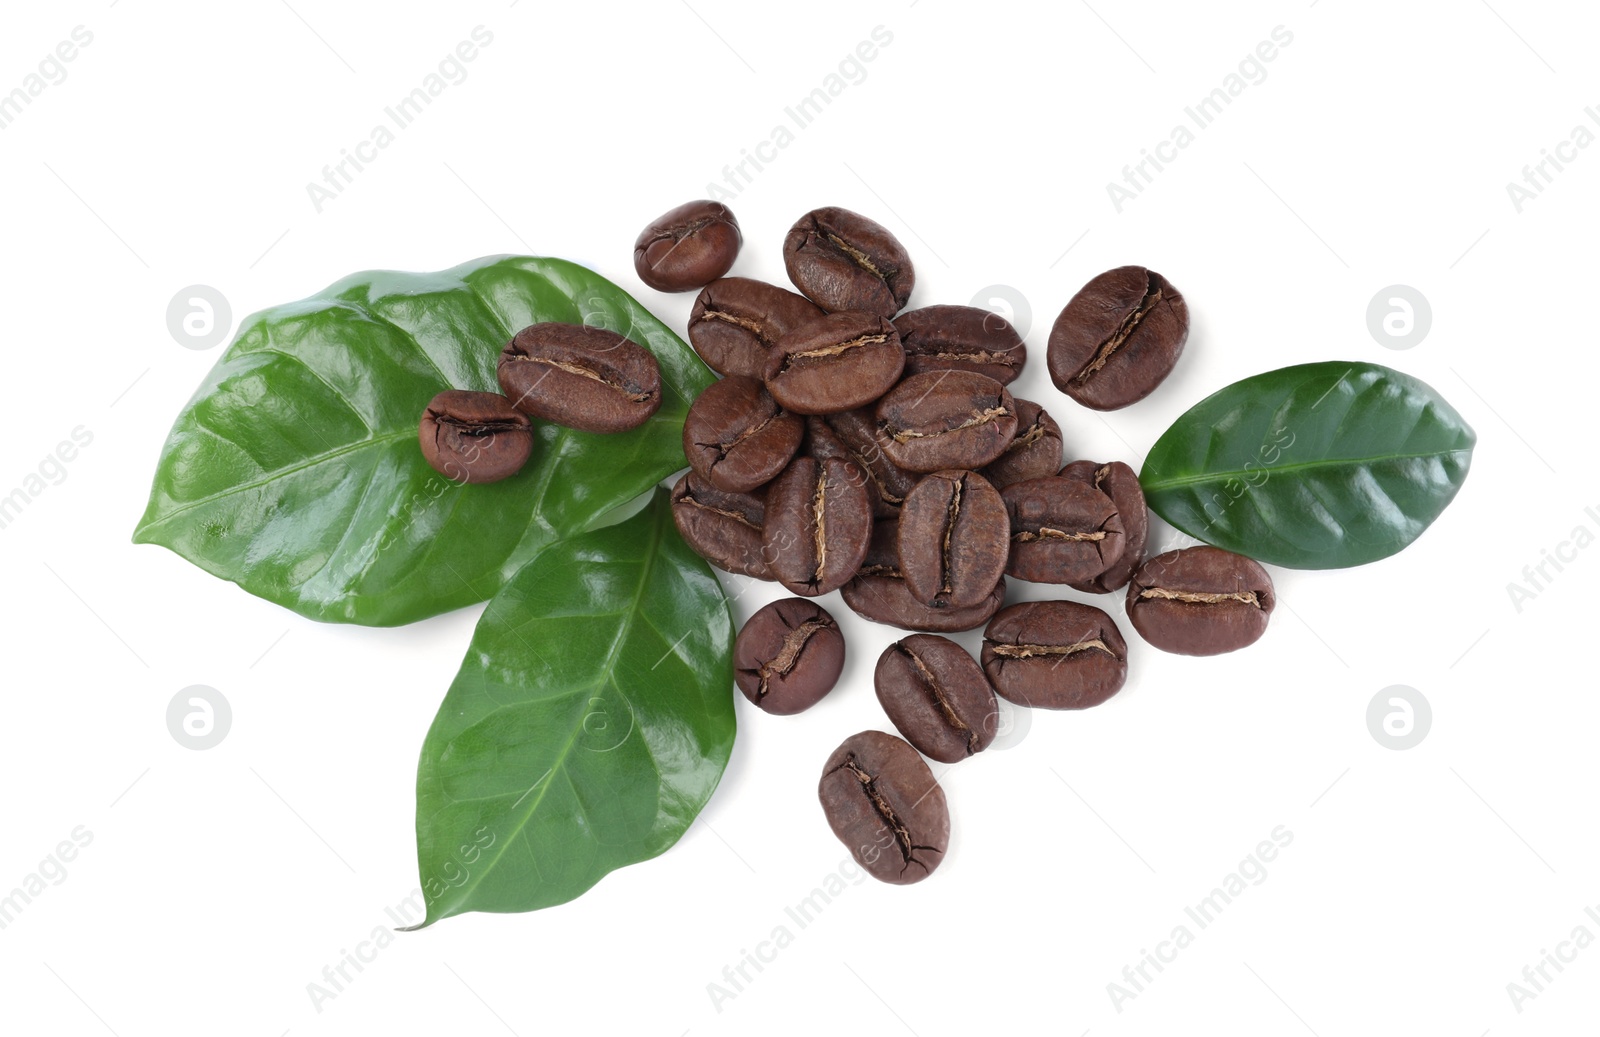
(607, 669)
(1179, 482)
(278, 473)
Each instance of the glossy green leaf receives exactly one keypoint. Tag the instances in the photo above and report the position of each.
(1318, 466)
(295, 472)
(588, 726)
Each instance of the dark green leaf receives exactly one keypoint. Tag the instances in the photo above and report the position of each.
(1319, 466)
(590, 722)
(295, 471)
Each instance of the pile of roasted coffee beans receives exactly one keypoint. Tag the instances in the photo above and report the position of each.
(850, 446)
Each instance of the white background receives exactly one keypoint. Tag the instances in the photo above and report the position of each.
(1418, 884)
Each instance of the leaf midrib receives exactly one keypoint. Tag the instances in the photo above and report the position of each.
(276, 474)
(607, 673)
(1222, 476)
(282, 473)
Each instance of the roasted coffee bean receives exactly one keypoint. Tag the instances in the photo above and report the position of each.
(737, 437)
(937, 696)
(961, 338)
(474, 437)
(818, 525)
(954, 539)
(1200, 601)
(1033, 454)
(844, 261)
(1119, 482)
(787, 656)
(838, 362)
(1062, 530)
(1054, 655)
(736, 322)
(883, 803)
(946, 419)
(687, 247)
(1118, 338)
(582, 377)
(853, 435)
(879, 593)
(721, 527)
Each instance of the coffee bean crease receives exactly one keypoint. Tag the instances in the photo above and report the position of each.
(474, 428)
(793, 644)
(585, 372)
(690, 500)
(977, 356)
(940, 700)
(885, 812)
(1026, 651)
(833, 350)
(952, 513)
(1034, 433)
(858, 257)
(724, 449)
(1046, 533)
(1248, 597)
(978, 417)
(1152, 297)
(757, 328)
(819, 500)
